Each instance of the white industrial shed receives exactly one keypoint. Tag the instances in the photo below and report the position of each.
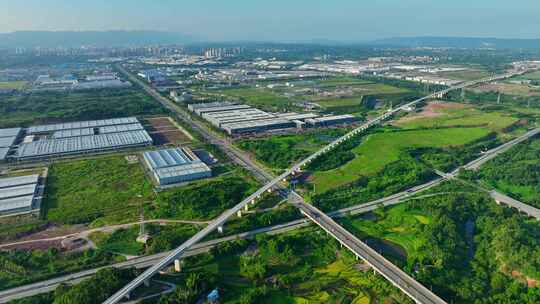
(177, 165)
(17, 194)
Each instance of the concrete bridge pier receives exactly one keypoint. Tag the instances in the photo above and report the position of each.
(177, 265)
(239, 213)
(147, 282)
(246, 207)
(220, 229)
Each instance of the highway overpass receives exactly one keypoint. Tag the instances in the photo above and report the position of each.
(400, 279)
(274, 184)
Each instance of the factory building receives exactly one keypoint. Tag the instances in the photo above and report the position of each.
(8, 137)
(254, 126)
(18, 194)
(327, 121)
(243, 119)
(202, 111)
(82, 137)
(174, 166)
(195, 106)
(242, 115)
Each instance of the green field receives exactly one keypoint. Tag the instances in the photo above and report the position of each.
(299, 267)
(465, 75)
(515, 172)
(52, 107)
(83, 191)
(16, 85)
(258, 97)
(400, 226)
(460, 117)
(381, 149)
(109, 190)
(279, 152)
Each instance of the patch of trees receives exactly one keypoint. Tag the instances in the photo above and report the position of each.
(477, 272)
(395, 177)
(447, 159)
(96, 289)
(51, 107)
(191, 288)
(277, 154)
(24, 267)
(518, 168)
(202, 201)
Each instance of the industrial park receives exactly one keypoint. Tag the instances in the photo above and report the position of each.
(271, 153)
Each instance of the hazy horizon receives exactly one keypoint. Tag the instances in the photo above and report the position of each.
(279, 20)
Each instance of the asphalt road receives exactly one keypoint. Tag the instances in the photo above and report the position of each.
(392, 273)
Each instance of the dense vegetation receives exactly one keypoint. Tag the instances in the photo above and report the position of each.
(516, 172)
(281, 151)
(395, 177)
(91, 291)
(23, 267)
(50, 107)
(110, 190)
(461, 243)
(303, 267)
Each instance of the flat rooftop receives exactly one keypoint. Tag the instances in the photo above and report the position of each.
(169, 158)
(16, 203)
(10, 132)
(18, 181)
(257, 123)
(6, 142)
(3, 153)
(183, 170)
(82, 125)
(42, 148)
(17, 191)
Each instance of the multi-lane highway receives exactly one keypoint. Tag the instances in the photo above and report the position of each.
(400, 279)
(273, 184)
(147, 261)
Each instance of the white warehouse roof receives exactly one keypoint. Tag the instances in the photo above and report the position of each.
(10, 132)
(16, 203)
(82, 125)
(169, 158)
(17, 191)
(82, 144)
(18, 181)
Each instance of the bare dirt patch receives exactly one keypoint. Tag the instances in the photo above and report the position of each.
(431, 110)
(38, 245)
(164, 131)
(531, 283)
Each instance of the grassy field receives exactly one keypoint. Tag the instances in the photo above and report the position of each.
(530, 76)
(381, 149)
(459, 117)
(318, 273)
(465, 75)
(398, 225)
(280, 151)
(52, 107)
(16, 85)
(83, 191)
(109, 190)
(258, 97)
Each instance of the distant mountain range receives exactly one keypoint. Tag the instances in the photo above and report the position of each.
(460, 42)
(31, 39)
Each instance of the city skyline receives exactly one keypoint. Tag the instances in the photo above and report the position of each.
(341, 20)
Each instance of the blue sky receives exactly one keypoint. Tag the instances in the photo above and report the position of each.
(346, 20)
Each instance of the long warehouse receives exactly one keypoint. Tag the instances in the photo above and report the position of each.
(81, 137)
(173, 166)
(18, 194)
